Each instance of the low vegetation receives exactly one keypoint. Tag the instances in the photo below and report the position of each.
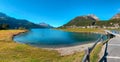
(77, 57)
(14, 52)
(115, 29)
(6, 35)
(83, 30)
(94, 55)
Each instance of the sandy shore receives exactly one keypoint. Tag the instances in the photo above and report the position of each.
(72, 49)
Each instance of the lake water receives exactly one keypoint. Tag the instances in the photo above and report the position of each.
(55, 38)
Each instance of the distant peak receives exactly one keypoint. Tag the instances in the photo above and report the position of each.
(118, 13)
(93, 16)
(90, 16)
(45, 25)
(117, 16)
(2, 14)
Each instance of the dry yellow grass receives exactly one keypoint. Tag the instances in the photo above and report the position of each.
(6, 35)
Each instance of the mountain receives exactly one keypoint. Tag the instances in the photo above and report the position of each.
(45, 25)
(16, 23)
(117, 16)
(83, 20)
(91, 19)
(3, 15)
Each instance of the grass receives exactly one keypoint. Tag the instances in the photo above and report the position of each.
(94, 55)
(115, 29)
(14, 52)
(6, 35)
(24, 53)
(77, 57)
(83, 30)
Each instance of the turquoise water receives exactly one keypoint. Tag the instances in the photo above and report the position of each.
(54, 38)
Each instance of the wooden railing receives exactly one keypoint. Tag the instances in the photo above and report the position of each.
(86, 57)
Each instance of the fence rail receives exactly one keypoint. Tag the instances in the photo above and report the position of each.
(86, 57)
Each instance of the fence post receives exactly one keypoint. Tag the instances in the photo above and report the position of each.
(88, 51)
(88, 56)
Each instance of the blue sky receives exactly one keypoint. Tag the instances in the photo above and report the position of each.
(58, 12)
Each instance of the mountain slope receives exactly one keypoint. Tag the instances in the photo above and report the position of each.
(117, 16)
(93, 20)
(82, 20)
(16, 23)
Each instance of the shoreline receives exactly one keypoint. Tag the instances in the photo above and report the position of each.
(65, 50)
(71, 49)
(23, 31)
(81, 31)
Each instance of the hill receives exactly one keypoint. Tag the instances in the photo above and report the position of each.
(16, 23)
(83, 20)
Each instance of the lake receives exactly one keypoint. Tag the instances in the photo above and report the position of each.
(55, 38)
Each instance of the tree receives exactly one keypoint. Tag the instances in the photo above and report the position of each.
(93, 23)
(4, 26)
(0, 26)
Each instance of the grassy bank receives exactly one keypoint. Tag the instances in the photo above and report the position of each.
(6, 35)
(94, 55)
(115, 29)
(84, 30)
(14, 52)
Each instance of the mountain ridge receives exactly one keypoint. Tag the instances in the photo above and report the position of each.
(82, 19)
(90, 20)
(45, 25)
(16, 23)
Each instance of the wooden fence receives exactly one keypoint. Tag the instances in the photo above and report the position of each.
(86, 57)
